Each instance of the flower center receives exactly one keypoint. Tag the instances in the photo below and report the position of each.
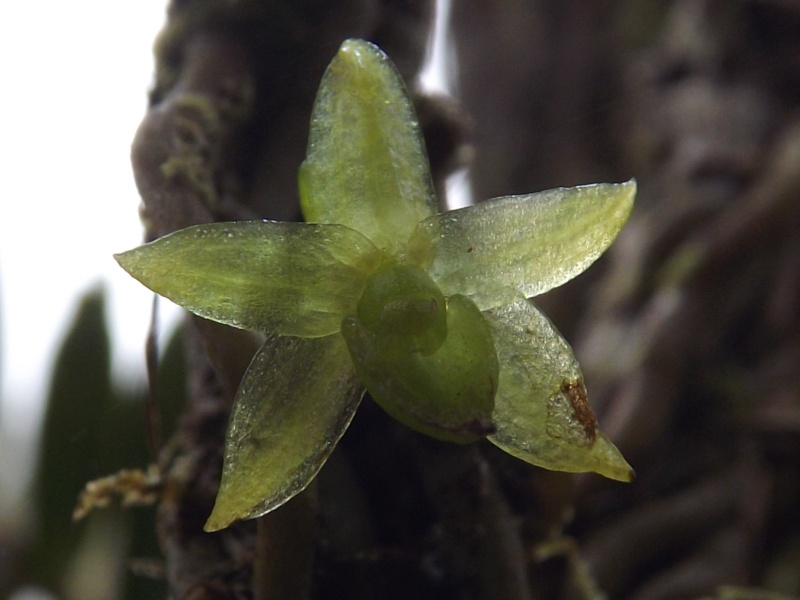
(404, 307)
(429, 361)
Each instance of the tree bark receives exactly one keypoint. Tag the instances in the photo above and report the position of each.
(688, 331)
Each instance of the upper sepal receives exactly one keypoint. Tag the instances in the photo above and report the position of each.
(366, 165)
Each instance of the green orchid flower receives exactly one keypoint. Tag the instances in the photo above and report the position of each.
(429, 312)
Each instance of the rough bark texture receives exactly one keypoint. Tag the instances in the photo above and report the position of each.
(688, 331)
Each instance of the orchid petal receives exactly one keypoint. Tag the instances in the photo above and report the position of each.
(541, 411)
(286, 278)
(501, 248)
(366, 165)
(295, 402)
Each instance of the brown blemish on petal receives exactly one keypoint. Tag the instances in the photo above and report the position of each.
(575, 391)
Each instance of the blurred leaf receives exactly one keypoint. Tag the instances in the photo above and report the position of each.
(89, 430)
(171, 381)
(80, 395)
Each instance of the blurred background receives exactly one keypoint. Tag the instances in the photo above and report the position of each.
(76, 81)
(688, 330)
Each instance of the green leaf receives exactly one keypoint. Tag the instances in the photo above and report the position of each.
(541, 410)
(498, 249)
(286, 278)
(78, 404)
(295, 402)
(366, 165)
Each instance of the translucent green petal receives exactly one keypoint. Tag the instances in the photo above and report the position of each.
(526, 245)
(541, 411)
(287, 278)
(366, 165)
(295, 402)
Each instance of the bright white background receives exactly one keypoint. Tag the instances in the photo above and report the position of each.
(75, 77)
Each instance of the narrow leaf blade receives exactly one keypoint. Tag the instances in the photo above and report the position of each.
(501, 248)
(366, 165)
(294, 404)
(541, 411)
(286, 278)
